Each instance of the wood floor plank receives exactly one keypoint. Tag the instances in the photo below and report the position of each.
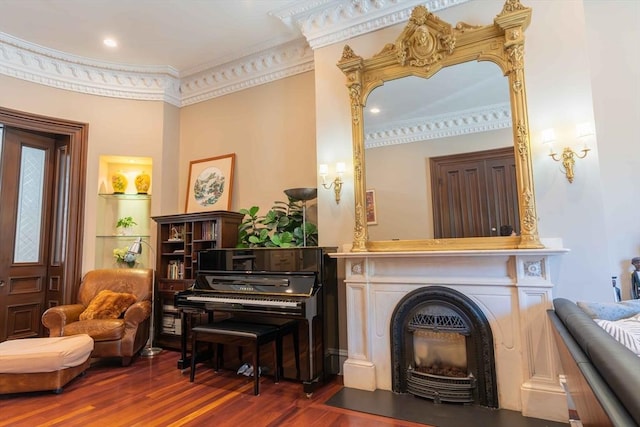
(152, 392)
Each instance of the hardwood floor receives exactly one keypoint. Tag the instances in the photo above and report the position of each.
(153, 392)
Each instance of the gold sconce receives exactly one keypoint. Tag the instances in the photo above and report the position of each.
(568, 156)
(323, 171)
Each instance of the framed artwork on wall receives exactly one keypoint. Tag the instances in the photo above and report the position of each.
(371, 207)
(210, 184)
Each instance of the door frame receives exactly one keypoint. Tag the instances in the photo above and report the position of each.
(64, 280)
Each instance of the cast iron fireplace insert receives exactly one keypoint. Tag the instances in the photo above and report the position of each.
(442, 348)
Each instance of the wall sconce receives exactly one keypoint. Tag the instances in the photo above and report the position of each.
(568, 156)
(323, 171)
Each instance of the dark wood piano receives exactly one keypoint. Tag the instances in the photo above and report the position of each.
(267, 284)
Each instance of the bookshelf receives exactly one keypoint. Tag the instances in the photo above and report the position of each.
(180, 238)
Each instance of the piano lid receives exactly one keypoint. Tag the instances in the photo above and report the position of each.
(256, 282)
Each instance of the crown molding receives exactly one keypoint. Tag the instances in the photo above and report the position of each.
(269, 65)
(322, 22)
(37, 64)
(492, 117)
(325, 22)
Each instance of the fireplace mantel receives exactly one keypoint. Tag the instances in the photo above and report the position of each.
(512, 287)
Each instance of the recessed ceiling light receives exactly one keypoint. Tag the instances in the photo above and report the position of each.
(374, 110)
(110, 42)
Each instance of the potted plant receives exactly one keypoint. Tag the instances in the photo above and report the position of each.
(282, 226)
(125, 224)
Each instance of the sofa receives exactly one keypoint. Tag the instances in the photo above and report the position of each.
(602, 374)
(113, 308)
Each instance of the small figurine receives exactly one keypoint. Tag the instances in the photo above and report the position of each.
(175, 233)
(617, 295)
(635, 278)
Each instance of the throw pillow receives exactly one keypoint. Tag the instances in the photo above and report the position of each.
(108, 305)
(625, 331)
(610, 310)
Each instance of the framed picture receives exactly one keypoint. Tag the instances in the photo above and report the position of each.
(210, 184)
(370, 197)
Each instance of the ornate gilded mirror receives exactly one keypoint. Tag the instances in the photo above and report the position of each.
(429, 48)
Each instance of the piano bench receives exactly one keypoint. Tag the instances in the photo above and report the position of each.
(240, 334)
(285, 328)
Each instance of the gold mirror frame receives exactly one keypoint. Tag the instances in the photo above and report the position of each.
(426, 45)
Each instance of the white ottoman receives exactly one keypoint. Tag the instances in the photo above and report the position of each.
(36, 364)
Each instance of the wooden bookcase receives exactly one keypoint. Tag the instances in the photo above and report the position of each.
(180, 237)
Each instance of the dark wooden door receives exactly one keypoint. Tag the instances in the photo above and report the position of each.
(26, 185)
(462, 205)
(502, 192)
(474, 193)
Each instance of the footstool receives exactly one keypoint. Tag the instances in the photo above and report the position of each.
(37, 364)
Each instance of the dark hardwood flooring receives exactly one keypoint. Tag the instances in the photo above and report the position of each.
(153, 392)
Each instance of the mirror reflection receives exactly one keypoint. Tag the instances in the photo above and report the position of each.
(412, 122)
(430, 48)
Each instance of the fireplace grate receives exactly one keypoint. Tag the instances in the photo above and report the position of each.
(440, 388)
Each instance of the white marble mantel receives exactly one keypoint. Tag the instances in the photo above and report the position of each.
(512, 287)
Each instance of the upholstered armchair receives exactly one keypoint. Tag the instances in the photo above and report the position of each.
(118, 321)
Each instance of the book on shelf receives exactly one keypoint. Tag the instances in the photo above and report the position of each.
(171, 324)
(209, 230)
(175, 269)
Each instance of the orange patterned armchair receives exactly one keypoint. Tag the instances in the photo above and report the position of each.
(114, 308)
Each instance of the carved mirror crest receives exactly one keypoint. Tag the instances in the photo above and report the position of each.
(426, 46)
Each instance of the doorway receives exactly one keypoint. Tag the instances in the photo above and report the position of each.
(42, 170)
(475, 194)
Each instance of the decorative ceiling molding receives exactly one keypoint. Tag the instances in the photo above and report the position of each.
(325, 22)
(489, 118)
(34, 63)
(269, 65)
(322, 22)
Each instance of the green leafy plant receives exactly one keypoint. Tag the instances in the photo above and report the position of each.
(282, 226)
(126, 222)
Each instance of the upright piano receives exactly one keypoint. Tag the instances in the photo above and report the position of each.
(268, 284)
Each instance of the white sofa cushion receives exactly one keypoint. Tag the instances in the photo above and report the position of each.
(31, 355)
(626, 331)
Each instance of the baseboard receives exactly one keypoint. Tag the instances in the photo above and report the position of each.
(544, 401)
(337, 357)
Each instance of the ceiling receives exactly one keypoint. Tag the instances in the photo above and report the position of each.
(184, 34)
(187, 51)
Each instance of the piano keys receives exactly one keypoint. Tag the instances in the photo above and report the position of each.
(288, 294)
(267, 284)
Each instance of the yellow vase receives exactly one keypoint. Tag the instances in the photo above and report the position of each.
(143, 181)
(119, 183)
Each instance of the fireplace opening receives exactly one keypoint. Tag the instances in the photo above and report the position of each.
(442, 348)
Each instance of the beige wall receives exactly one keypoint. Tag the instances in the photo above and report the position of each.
(280, 131)
(270, 128)
(559, 95)
(116, 127)
(612, 25)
